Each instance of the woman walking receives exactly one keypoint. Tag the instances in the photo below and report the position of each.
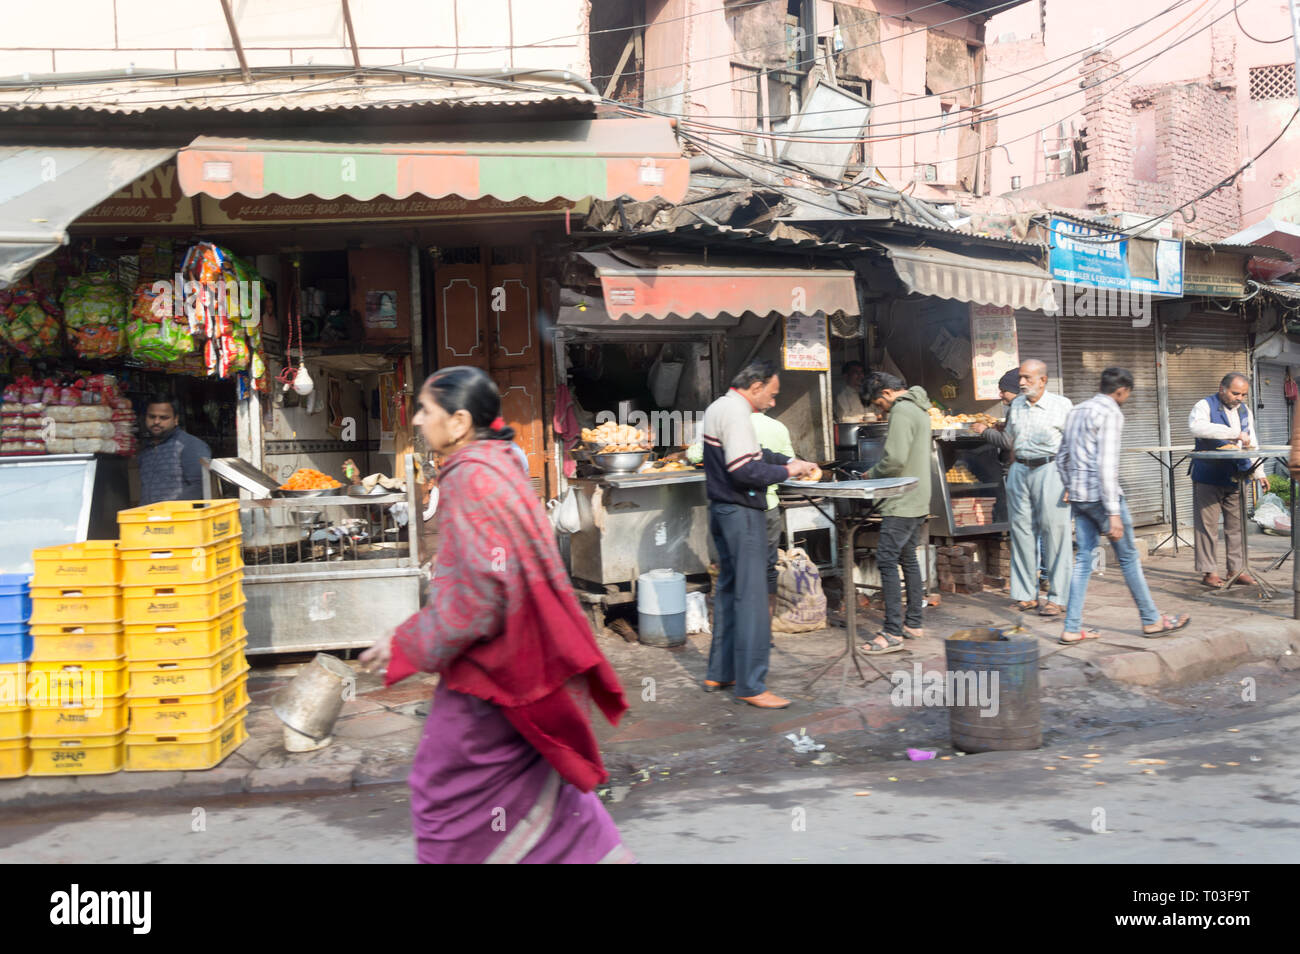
(506, 767)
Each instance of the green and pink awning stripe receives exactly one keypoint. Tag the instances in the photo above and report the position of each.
(576, 159)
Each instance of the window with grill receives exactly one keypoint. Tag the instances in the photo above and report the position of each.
(1272, 82)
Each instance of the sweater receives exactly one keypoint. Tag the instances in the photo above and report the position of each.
(907, 454)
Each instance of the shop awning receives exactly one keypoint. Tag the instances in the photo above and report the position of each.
(43, 188)
(690, 292)
(984, 280)
(570, 159)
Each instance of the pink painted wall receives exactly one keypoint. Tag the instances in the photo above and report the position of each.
(1219, 55)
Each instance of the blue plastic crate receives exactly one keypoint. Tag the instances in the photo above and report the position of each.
(15, 607)
(15, 643)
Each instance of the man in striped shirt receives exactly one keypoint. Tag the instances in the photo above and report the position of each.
(1088, 462)
(737, 473)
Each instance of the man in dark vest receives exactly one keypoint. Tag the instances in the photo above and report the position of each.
(169, 458)
(1219, 421)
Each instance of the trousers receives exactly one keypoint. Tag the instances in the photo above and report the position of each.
(773, 520)
(1038, 514)
(742, 626)
(899, 538)
(1091, 524)
(1208, 502)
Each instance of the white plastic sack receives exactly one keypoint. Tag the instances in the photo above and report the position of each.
(697, 614)
(564, 514)
(1271, 509)
(664, 377)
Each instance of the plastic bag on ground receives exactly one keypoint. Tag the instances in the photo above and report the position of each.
(697, 613)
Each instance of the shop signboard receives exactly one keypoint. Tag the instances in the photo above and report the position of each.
(1094, 257)
(807, 347)
(240, 210)
(153, 199)
(994, 348)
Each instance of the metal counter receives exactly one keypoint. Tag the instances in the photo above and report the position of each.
(632, 523)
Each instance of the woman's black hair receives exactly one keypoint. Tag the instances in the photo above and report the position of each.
(464, 388)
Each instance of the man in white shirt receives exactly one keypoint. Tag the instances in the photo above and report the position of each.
(1216, 421)
(1035, 495)
(848, 402)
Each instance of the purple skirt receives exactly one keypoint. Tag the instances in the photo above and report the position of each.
(481, 794)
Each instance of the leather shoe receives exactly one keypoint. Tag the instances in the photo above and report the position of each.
(765, 700)
(1245, 580)
(710, 686)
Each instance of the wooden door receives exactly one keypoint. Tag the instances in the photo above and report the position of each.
(380, 292)
(461, 300)
(487, 317)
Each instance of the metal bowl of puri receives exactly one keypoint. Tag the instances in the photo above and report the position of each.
(625, 462)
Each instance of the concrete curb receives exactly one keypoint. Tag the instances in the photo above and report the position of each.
(1177, 660)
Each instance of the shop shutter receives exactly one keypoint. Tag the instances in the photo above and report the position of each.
(1271, 414)
(1089, 346)
(1036, 338)
(1199, 351)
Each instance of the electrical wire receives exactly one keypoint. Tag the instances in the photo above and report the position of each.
(1267, 205)
(1247, 35)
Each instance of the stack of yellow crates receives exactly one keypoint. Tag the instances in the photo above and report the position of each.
(182, 594)
(76, 677)
(15, 756)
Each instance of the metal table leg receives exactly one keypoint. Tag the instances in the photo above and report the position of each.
(1266, 589)
(848, 532)
(1170, 469)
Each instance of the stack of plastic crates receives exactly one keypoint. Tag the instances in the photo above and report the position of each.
(15, 647)
(76, 678)
(183, 605)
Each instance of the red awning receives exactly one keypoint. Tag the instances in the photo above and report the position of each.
(684, 291)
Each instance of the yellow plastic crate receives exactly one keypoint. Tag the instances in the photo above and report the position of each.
(82, 683)
(182, 603)
(197, 713)
(185, 677)
(170, 565)
(13, 685)
(178, 523)
(57, 605)
(89, 755)
(60, 721)
(76, 642)
(154, 752)
(14, 721)
(184, 640)
(91, 563)
(15, 758)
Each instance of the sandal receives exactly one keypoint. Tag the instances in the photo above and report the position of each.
(910, 633)
(1167, 625)
(1025, 606)
(1084, 633)
(893, 645)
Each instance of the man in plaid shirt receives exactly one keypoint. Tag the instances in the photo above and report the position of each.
(1088, 462)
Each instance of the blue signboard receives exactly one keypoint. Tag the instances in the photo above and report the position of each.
(1078, 258)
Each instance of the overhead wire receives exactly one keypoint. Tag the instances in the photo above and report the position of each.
(1246, 33)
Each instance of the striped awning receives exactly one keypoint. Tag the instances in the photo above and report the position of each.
(569, 159)
(962, 276)
(639, 288)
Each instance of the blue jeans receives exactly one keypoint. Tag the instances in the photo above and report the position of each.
(1090, 524)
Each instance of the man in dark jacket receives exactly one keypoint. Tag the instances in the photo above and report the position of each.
(737, 473)
(902, 529)
(169, 458)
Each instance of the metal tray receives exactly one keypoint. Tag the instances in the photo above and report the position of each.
(328, 492)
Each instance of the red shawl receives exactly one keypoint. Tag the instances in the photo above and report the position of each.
(502, 623)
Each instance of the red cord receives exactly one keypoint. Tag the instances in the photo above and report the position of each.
(294, 323)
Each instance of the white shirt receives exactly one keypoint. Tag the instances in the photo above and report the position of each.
(1199, 423)
(848, 404)
(1036, 429)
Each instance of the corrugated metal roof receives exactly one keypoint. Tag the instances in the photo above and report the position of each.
(299, 93)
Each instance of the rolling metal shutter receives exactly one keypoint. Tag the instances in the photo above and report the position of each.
(1269, 407)
(1089, 346)
(1199, 351)
(1036, 338)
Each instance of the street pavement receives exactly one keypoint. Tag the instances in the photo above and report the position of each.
(1226, 791)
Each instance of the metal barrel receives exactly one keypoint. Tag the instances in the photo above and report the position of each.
(992, 691)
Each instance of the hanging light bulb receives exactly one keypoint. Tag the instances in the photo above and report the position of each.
(302, 382)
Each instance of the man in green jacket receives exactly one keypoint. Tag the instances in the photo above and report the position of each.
(907, 454)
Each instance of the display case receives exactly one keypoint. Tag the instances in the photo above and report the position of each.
(968, 494)
(53, 499)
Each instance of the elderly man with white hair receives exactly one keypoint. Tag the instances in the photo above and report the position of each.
(1035, 495)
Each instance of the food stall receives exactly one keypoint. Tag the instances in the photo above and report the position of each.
(967, 493)
(326, 567)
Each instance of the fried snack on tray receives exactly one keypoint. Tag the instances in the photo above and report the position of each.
(812, 478)
(939, 420)
(611, 438)
(307, 479)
